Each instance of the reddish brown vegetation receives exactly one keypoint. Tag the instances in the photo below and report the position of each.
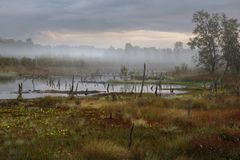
(224, 145)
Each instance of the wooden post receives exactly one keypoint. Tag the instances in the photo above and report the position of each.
(143, 80)
(130, 137)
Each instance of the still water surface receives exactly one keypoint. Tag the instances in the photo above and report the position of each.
(8, 90)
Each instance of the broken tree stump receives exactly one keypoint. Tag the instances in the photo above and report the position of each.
(143, 80)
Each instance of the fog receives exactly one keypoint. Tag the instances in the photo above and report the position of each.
(131, 56)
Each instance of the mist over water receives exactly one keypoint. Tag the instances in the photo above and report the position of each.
(110, 58)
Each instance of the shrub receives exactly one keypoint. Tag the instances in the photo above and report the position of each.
(47, 102)
(121, 110)
(77, 102)
(142, 102)
(232, 101)
(137, 152)
(215, 146)
(199, 105)
(9, 103)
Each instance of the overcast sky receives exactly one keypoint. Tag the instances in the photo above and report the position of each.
(103, 23)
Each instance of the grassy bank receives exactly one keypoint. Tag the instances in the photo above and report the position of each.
(7, 76)
(183, 128)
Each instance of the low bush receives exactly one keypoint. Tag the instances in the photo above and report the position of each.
(47, 102)
(198, 104)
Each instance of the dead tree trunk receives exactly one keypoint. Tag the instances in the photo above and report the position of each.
(156, 89)
(20, 89)
(77, 87)
(33, 84)
(86, 92)
(112, 87)
(160, 82)
(238, 91)
(108, 88)
(132, 90)
(218, 80)
(65, 85)
(158, 86)
(59, 84)
(171, 90)
(72, 88)
(143, 80)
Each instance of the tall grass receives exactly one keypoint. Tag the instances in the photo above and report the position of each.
(104, 150)
(163, 130)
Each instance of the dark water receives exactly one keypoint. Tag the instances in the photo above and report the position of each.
(8, 90)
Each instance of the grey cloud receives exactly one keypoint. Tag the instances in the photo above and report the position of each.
(26, 17)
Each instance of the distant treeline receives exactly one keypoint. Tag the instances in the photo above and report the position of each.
(39, 62)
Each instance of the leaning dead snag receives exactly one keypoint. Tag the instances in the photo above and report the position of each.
(133, 88)
(143, 80)
(20, 89)
(77, 87)
(156, 89)
(108, 88)
(130, 137)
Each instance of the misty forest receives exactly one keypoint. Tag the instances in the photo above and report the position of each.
(111, 80)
